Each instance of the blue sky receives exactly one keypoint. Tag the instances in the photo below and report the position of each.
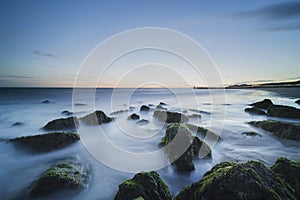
(43, 43)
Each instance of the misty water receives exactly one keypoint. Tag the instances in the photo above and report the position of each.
(222, 114)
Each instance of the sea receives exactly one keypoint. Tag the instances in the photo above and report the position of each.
(117, 150)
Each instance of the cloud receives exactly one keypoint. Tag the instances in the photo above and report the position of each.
(286, 15)
(41, 53)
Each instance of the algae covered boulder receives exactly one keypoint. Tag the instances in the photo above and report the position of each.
(96, 118)
(62, 176)
(282, 130)
(264, 104)
(144, 185)
(251, 180)
(254, 111)
(47, 142)
(181, 147)
(69, 123)
(170, 117)
(289, 170)
(283, 111)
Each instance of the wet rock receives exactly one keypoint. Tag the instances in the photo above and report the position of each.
(207, 134)
(170, 117)
(151, 105)
(47, 142)
(251, 180)
(17, 124)
(251, 133)
(66, 112)
(134, 116)
(96, 118)
(160, 107)
(288, 170)
(145, 108)
(182, 147)
(280, 129)
(283, 111)
(142, 122)
(298, 101)
(63, 175)
(45, 101)
(118, 112)
(162, 103)
(69, 123)
(255, 111)
(264, 104)
(144, 185)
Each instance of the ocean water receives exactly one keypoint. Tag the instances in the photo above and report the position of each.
(221, 111)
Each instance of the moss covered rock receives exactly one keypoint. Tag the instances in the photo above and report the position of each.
(280, 129)
(63, 175)
(47, 142)
(144, 185)
(69, 123)
(254, 111)
(289, 171)
(264, 104)
(235, 181)
(209, 135)
(96, 118)
(170, 117)
(283, 111)
(182, 147)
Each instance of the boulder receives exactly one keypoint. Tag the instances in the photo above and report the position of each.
(207, 134)
(251, 180)
(264, 104)
(47, 142)
(297, 101)
(288, 170)
(69, 123)
(96, 118)
(64, 175)
(251, 133)
(255, 111)
(170, 117)
(282, 130)
(144, 185)
(145, 108)
(181, 147)
(283, 111)
(134, 116)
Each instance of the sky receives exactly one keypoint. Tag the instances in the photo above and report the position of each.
(44, 43)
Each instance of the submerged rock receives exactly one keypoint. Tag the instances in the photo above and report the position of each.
(170, 117)
(289, 170)
(264, 104)
(280, 129)
(251, 133)
(144, 185)
(66, 112)
(204, 132)
(251, 180)
(283, 111)
(298, 101)
(96, 118)
(47, 142)
(162, 103)
(182, 147)
(134, 116)
(145, 108)
(17, 124)
(255, 111)
(200, 111)
(63, 175)
(45, 101)
(142, 122)
(69, 123)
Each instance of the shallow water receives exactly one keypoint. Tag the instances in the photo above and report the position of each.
(19, 169)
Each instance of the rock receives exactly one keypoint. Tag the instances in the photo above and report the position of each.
(162, 103)
(80, 104)
(96, 118)
(145, 108)
(255, 111)
(288, 170)
(144, 185)
(118, 112)
(194, 116)
(69, 123)
(160, 107)
(131, 107)
(47, 142)
(200, 111)
(264, 104)
(170, 117)
(283, 111)
(207, 134)
(68, 113)
(235, 181)
(298, 101)
(280, 129)
(182, 147)
(142, 122)
(134, 116)
(45, 101)
(17, 124)
(150, 105)
(251, 133)
(63, 175)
